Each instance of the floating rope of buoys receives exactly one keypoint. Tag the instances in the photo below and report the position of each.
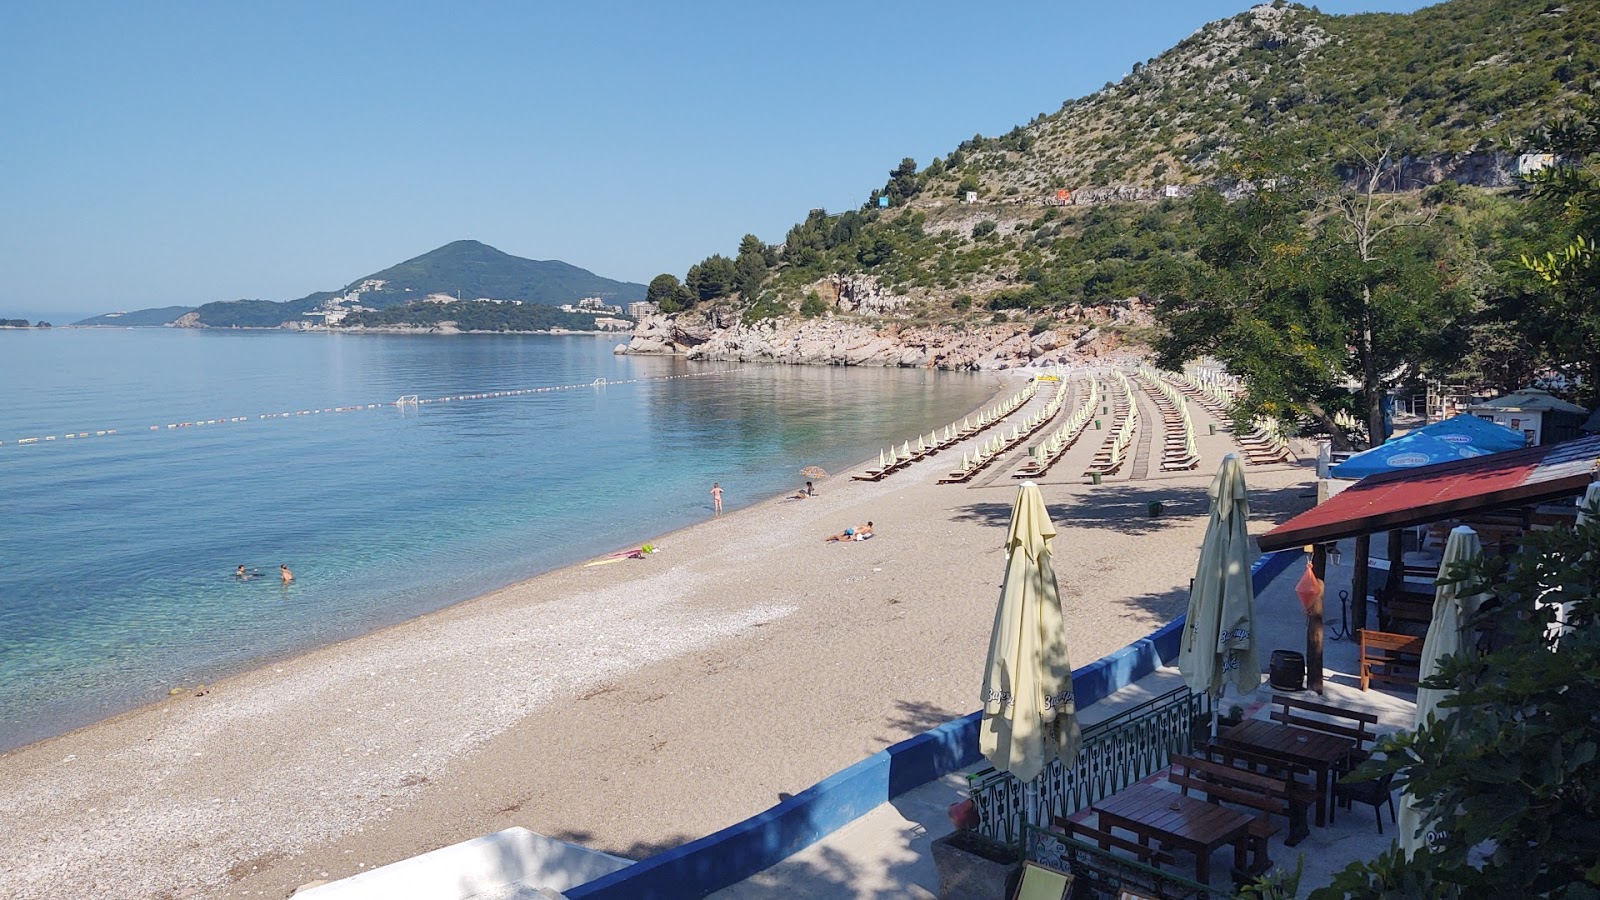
(406, 401)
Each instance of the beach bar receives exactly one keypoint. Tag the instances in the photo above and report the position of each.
(1501, 495)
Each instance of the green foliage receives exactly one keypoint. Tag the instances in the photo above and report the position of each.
(1300, 289)
(1512, 768)
(248, 313)
(751, 266)
(712, 277)
(474, 270)
(671, 295)
(467, 269)
(159, 316)
(961, 303)
(766, 306)
(968, 185)
(1566, 204)
(813, 305)
(983, 229)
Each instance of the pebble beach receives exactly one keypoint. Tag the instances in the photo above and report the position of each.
(627, 707)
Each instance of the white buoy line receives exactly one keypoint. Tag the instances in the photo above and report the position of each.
(406, 401)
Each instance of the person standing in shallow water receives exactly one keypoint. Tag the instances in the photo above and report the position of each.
(716, 498)
(283, 571)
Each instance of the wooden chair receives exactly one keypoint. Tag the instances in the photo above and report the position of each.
(1389, 658)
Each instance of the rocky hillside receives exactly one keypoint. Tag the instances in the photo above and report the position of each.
(720, 333)
(1081, 209)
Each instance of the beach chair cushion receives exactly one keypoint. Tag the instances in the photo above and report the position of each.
(1041, 883)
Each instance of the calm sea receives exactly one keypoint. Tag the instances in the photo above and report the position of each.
(117, 551)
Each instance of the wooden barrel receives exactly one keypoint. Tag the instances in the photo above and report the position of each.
(1287, 670)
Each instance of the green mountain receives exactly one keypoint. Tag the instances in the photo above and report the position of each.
(468, 269)
(164, 315)
(475, 270)
(1451, 91)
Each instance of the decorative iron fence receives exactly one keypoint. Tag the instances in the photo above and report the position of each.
(1115, 753)
(1101, 875)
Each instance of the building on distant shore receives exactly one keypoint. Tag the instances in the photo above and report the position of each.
(641, 308)
(594, 305)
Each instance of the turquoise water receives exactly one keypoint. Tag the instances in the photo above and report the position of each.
(116, 552)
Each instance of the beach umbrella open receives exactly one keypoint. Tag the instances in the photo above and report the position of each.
(1029, 717)
(1219, 644)
(1447, 636)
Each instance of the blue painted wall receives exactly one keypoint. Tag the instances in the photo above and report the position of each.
(739, 851)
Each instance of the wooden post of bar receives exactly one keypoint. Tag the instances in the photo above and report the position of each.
(1319, 568)
(1397, 569)
(1358, 583)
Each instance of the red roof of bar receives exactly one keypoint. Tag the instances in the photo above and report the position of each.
(1446, 490)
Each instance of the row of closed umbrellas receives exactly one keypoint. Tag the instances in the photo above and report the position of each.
(1029, 713)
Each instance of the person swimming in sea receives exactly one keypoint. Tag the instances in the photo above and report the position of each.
(244, 574)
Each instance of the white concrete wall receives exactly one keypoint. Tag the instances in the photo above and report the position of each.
(482, 865)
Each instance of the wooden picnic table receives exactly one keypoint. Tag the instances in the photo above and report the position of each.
(1303, 748)
(1185, 822)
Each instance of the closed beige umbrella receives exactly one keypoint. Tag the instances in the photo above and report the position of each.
(1447, 636)
(1028, 713)
(1219, 642)
(1591, 497)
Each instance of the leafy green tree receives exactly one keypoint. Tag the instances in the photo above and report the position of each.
(712, 277)
(1567, 199)
(969, 184)
(1300, 289)
(813, 305)
(903, 183)
(662, 288)
(751, 266)
(668, 293)
(1511, 773)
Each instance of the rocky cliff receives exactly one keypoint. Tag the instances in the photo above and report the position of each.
(717, 333)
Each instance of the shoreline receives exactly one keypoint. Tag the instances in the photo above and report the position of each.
(215, 680)
(630, 707)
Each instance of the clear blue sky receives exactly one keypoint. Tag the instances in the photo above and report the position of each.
(173, 153)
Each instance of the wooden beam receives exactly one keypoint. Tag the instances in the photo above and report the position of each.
(1319, 568)
(1358, 582)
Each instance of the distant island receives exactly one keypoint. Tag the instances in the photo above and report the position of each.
(22, 323)
(464, 286)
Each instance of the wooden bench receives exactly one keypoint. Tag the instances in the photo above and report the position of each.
(1353, 724)
(1390, 658)
(1271, 796)
(1105, 840)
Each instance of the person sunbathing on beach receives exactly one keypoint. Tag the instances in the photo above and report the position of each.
(855, 533)
(809, 491)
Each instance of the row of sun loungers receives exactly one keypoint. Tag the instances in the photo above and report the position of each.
(891, 460)
(1266, 444)
(992, 449)
(1045, 454)
(1124, 421)
(1178, 451)
(1210, 392)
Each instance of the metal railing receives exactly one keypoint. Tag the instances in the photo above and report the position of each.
(1115, 753)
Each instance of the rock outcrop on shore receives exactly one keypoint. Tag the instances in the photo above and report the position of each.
(1080, 334)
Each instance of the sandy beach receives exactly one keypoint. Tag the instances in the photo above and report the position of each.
(628, 707)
